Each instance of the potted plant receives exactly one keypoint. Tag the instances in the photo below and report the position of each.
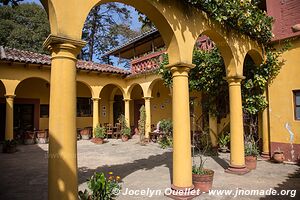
(126, 133)
(278, 156)
(99, 133)
(101, 187)
(223, 141)
(251, 153)
(9, 146)
(202, 177)
(29, 137)
(85, 133)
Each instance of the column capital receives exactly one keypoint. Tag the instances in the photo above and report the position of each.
(10, 96)
(95, 98)
(234, 80)
(127, 99)
(63, 47)
(180, 68)
(147, 98)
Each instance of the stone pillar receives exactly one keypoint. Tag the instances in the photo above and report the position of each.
(265, 133)
(9, 123)
(213, 130)
(95, 112)
(182, 158)
(127, 111)
(111, 112)
(148, 116)
(237, 155)
(62, 158)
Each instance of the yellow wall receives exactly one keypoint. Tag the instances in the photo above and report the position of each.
(161, 107)
(281, 98)
(34, 89)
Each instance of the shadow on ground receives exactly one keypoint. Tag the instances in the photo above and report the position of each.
(290, 185)
(126, 169)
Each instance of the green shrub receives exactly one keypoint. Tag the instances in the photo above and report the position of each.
(101, 188)
(99, 132)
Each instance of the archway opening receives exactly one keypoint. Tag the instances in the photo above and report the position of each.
(84, 106)
(136, 103)
(111, 105)
(2, 111)
(31, 106)
(207, 80)
(254, 101)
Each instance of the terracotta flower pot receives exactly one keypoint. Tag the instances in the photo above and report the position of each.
(98, 140)
(278, 156)
(85, 134)
(125, 138)
(250, 162)
(203, 182)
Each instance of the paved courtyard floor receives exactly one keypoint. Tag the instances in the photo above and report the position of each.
(23, 175)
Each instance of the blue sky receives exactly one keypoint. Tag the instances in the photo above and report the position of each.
(134, 25)
(135, 21)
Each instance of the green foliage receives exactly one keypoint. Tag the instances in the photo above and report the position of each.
(207, 76)
(166, 126)
(142, 123)
(10, 2)
(166, 139)
(126, 131)
(245, 16)
(251, 147)
(101, 188)
(223, 139)
(99, 132)
(24, 27)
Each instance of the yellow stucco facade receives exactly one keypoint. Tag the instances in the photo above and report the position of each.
(283, 125)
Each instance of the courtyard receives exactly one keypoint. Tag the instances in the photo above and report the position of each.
(24, 174)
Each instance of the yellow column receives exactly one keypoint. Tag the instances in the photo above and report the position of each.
(213, 130)
(62, 158)
(237, 155)
(95, 112)
(182, 158)
(111, 112)
(9, 123)
(127, 111)
(148, 116)
(265, 133)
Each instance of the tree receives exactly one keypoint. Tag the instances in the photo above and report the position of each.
(106, 27)
(24, 27)
(10, 2)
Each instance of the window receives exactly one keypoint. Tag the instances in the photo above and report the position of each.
(84, 107)
(44, 110)
(297, 104)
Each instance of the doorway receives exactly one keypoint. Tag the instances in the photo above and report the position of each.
(137, 106)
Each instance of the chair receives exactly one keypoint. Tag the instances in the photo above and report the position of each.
(117, 131)
(109, 130)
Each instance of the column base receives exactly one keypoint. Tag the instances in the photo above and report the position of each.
(265, 156)
(179, 193)
(239, 170)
